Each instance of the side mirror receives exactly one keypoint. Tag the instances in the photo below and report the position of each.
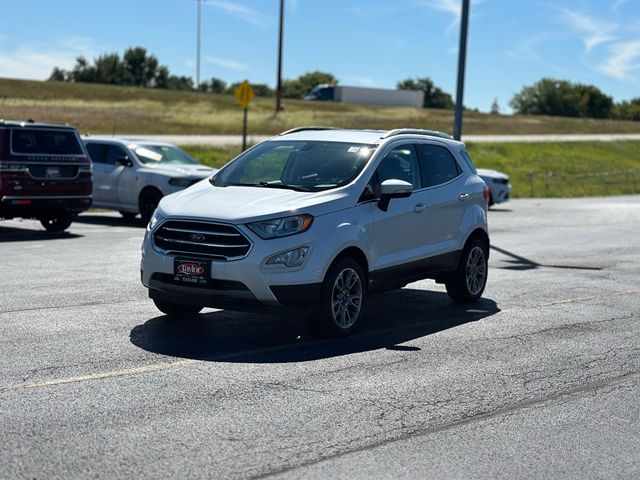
(123, 162)
(393, 188)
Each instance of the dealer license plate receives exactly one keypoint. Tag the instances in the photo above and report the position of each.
(191, 272)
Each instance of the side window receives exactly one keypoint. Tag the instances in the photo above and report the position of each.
(438, 165)
(113, 153)
(96, 152)
(400, 163)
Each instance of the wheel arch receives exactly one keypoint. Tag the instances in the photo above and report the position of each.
(356, 254)
(145, 189)
(481, 234)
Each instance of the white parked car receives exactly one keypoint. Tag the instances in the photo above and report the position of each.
(498, 184)
(132, 176)
(322, 218)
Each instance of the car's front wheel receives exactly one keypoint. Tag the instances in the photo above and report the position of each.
(149, 200)
(177, 309)
(467, 283)
(342, 298)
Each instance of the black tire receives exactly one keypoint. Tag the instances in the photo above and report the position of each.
(341, 318)
(149, 199)
(57, 223)
(469, 280)
(491, 202)
(177, 310)
(128, 216)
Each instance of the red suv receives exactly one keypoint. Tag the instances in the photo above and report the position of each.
(45, 173)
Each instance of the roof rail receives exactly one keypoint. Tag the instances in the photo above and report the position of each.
(416, 131)
(302, 129)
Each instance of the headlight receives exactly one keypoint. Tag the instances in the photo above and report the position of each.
(156, 218)
(292, 258)
(281, 227)
(180, 182)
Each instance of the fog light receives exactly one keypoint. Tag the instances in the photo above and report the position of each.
(292, 258)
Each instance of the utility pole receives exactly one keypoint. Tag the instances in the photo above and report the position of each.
(198, 23)
(462, 58)
(279, 82)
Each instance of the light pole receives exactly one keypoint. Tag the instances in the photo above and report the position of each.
(198, 23)
(462, 57)
(279, 81)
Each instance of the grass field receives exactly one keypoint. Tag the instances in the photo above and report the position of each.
(535, 169)
(103, 109)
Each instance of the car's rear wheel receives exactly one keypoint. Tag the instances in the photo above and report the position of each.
(470, 278)
(149, 200)
(177, 309)
(128, 216)
(342, 299)
(57, 223)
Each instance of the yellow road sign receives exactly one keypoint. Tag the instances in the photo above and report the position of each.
(244, 93)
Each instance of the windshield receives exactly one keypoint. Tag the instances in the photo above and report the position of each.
(162, 154)
(297, 165)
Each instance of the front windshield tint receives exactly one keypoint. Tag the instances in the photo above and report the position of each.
(297, 165)
(162, 154)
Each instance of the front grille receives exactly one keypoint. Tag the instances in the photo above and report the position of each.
(215, 240)
(502, 181)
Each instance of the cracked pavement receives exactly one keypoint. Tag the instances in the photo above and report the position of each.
(540, 379)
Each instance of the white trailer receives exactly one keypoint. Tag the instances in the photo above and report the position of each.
(368, 96)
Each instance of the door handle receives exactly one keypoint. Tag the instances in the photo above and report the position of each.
(421, 207)
(463, 196)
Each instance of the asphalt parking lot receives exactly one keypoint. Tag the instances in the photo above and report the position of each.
(540, 379)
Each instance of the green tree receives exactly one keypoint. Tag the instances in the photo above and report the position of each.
(58, 75)
(562, 98)
(627, 110)
(140, 68)
(434, 97)
(215, 85)
(301, 86)
(109, 69)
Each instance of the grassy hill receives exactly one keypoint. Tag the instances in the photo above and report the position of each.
(99, 109)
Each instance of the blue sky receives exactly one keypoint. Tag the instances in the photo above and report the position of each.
(362, 42)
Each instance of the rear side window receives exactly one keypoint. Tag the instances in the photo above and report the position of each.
(45, 142)
(96, 152)
(467, 159)
(438, 165)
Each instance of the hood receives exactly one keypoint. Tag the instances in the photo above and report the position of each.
(487, 172)
(193, 171)
(246, 204)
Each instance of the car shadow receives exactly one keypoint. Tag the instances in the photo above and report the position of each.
(13, 234)
(391, 319)
(518, 262)
(111, 220)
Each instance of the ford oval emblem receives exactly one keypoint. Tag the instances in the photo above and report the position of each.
(196, 237)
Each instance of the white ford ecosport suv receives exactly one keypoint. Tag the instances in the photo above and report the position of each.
(318, 217)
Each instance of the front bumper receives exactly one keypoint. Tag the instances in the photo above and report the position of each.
(245, 284)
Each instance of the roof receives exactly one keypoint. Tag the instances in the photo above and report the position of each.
(361, 136)
(32, 124)
(124, 140)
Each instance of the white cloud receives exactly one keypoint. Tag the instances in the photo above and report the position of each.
(36, 62)
(594, 32)
(239, 11)
(450, 7)
(617, 4)
(227, 63)
(360, 81)
(623, 61)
